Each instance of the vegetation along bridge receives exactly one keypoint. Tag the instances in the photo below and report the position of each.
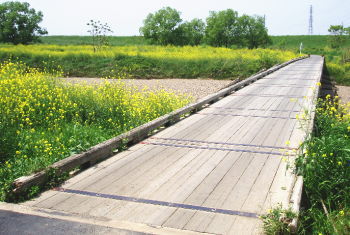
(213, 172)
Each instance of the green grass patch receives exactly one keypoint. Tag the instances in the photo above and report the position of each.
(310, 42)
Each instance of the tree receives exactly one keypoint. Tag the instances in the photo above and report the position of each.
(347, 31)
(99, 32)
(337, 37)
(226, 28)
(190, 33)
(252, 32)
(161, 27)
(222, 28)
(20, 23)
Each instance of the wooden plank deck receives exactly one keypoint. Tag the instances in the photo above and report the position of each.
(213, 172)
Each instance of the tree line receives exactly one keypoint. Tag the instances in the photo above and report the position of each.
(19, 24)
(339, 35)
(223, 29)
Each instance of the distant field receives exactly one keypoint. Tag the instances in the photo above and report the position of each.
(293, 42)
(338, 60)
(87, 40)
(284, 42)
(146, 61)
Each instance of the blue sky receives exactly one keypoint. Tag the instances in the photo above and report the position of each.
(69, 17)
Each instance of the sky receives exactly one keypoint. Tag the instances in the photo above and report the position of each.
(283, 17)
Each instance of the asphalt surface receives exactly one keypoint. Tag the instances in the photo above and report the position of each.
(17, 223)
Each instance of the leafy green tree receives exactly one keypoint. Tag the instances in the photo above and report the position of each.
(347, 31)
(161, 27)
(190, 33)
(222, 28)
(337, 37)
(226, 28)
(19, 23)
(252, 32)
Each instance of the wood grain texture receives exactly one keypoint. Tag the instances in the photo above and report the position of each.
(195, 167)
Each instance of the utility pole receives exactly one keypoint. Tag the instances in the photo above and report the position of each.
(311, 30)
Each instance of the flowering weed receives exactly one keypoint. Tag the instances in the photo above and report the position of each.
(147, 61)
(43, 120)
(324, 164)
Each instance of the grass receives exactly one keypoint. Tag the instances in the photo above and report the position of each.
(289, 42)
(43, 121)
(325, 165)
(87, 40)
(337, 59)
(310, 42)
(276, 221)
(147, 61)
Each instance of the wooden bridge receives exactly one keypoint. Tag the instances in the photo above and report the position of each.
(213, 172)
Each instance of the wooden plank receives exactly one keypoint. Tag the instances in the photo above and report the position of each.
(215, 135)
(135, 181)
(180, 217)
(235, 197)
(199, 225)
(134, 157)
(96, 170)
(121, 173)
(105, 149)
(181, 181)
(243, 168)
(219, 179)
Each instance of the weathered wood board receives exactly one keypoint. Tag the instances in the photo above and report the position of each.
(214, 172)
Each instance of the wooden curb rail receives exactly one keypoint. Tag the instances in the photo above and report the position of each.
(106, 149)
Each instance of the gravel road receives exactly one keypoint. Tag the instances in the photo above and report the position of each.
(197, 88)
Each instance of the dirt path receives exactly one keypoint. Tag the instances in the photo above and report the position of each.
(197, 88)
(344, 93)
